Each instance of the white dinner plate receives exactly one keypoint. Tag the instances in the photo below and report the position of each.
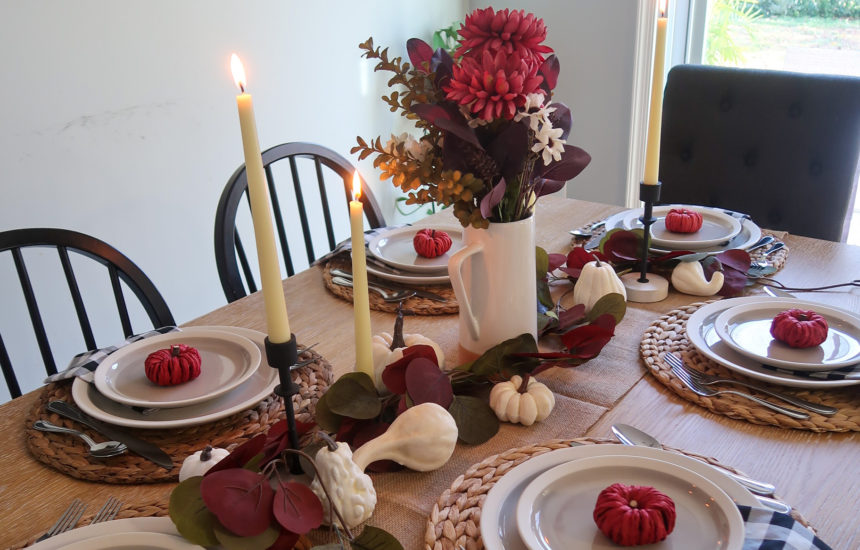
(555, 512)
(749, 234)
(96, 532)
(133, 541)
(410, 278)
(718, 228)
(701, 334)
(226, 361)
(395, 248)
(746, 329)
(246, 395)
(498, 513)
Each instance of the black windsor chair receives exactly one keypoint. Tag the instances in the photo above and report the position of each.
(120, 270)
(238, 279)
(782, 147)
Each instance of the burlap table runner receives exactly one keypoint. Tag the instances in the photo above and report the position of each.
(70, 455)
(669, 334)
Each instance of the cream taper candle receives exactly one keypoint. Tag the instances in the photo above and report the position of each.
(655, 116)
(277, 322)
(360, 298)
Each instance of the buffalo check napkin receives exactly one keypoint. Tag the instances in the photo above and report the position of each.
(851, 372)
(769, 530)
(84, 364)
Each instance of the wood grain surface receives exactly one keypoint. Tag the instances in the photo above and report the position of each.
(817, 473)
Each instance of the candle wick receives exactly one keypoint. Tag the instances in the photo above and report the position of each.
(241, 87)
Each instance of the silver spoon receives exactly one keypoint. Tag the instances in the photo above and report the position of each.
(765, 263)
(764, 241)
(98, 450)
(588, 233)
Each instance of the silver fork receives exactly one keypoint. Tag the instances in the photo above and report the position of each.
(684, 376)
(386, 296)
(67, 521)
(108, 511)
(708, 379)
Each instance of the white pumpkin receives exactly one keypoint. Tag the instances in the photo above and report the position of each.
(199, 463)
(350, 488)
(383, 355)
(513, 403)
(596, 281)
(689, 278)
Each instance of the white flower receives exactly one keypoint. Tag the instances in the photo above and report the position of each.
(417, 149)
(549, 143)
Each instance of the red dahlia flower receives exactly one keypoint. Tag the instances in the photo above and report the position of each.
(494, 86)
(507, 31)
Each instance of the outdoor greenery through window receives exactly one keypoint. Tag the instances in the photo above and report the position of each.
(820, 36)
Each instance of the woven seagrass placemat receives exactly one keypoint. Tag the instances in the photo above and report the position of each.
(454, 522)
(415, 304)
(669, 334)
(70, 456)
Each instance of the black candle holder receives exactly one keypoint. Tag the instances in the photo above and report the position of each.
(283, 356)
(644, 287)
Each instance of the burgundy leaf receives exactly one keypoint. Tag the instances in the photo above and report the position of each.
(549, 69)
(443, 66)
(561, 118)
(240, 455)
(586, 341)
(735, 259)
(278, 438)
(286, 541)
(446, 117)
(622, 246)
(297, 508)
(579, 256)
(572, 316)
(493, 198)
(668, 256)
(555, 261)
(394, 375)
(426, 383)
(573, 161)
(240, 499)
(420, 53)
(547, 187)
(573, 272)
(509, 149)
(605, 321)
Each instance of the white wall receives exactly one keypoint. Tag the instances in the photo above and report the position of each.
(118, 119)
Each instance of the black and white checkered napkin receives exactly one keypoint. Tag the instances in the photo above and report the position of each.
(769, 530)
(85, 363)
(851, 372)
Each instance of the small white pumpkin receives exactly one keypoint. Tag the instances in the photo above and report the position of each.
(199, 463)
(422, 438)
(596, 281)
(387, 349)
(350, 488)
(689, 278)
(519, 403)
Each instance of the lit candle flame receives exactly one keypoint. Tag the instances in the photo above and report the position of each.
(238, 72)
(663, 7)
(356, 186)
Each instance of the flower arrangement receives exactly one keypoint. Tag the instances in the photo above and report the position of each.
(490, 142)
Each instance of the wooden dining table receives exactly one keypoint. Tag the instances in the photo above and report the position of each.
(817, 473)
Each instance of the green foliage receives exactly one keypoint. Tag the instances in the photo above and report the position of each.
(810, 8)
(726, 17)
(446, 38)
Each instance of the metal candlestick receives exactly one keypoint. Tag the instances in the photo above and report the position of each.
(646, 287)
(283, 356)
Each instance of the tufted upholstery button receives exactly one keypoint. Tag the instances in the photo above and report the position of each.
(815, 168)
(725, 103)
(686, 154)
(751, 157)
(795, 110)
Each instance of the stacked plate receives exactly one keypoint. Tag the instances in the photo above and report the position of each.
(127, 534)
(396, 259)
(721, 230)
(233, 377)
(736, 334)
(547, 503)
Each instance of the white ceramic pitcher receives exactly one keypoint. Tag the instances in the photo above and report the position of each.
(494, 280)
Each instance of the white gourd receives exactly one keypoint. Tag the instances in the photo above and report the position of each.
(350, 488)
(689, 278)
(199, 463)
(533, 405)
(383, 355)
(596, 280)
(422, 438)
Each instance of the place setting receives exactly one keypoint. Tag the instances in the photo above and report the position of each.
(148, 395)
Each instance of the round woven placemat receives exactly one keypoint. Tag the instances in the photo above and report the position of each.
(70, 456)
(669, 334)
(454, 522)
(418, 306)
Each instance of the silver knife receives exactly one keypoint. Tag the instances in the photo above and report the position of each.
(392, 286)
(147, 450)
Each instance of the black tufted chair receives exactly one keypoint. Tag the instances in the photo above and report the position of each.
(780, 146)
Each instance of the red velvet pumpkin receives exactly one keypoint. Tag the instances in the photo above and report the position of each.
(681, 220)
(431, 243)
(172, 366)
(631, 515)
(799, 328)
